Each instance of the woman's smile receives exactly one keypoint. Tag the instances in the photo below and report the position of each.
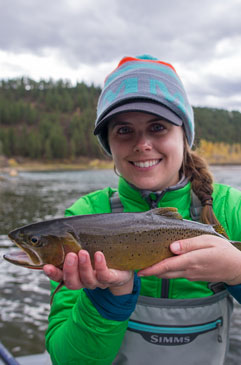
(145, 164)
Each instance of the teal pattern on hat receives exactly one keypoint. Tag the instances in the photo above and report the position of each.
(144, 78)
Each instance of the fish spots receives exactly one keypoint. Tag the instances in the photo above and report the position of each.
(131, 250)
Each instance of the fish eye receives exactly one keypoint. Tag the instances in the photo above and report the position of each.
(34, 240)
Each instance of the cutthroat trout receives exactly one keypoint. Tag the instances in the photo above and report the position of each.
(129, 241)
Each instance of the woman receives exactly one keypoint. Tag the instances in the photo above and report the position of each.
(178, 308)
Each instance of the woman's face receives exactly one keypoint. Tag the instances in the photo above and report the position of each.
(147, 151)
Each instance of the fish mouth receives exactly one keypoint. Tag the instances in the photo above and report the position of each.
(21, 258)
(24, 257)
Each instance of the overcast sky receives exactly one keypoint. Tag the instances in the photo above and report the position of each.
(84, 40)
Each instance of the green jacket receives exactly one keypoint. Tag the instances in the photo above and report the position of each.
(77, 333)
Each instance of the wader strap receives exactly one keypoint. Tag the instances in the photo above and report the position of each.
(115, 203)
(216, 287)
(195, 208)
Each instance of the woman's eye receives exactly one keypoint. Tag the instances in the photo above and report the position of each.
(124, 130)
(157, 127)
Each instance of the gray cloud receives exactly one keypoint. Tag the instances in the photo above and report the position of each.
(101, 30)
(89, 32)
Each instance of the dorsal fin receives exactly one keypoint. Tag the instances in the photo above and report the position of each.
(167, 212)
(219, 229)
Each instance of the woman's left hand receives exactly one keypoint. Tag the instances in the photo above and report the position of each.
(202, 258)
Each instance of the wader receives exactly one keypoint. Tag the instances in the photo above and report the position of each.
(171, 331)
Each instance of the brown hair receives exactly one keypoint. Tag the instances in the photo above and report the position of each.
(197, 170)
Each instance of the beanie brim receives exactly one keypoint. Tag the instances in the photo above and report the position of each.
(140, 106)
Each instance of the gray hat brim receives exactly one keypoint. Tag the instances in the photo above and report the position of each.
(140, 106)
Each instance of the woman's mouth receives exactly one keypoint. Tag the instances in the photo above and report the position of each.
(145, 164)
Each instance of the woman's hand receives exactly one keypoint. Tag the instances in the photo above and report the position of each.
(202, 258)
(78, 273)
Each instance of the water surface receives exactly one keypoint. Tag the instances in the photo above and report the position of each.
(34, 196)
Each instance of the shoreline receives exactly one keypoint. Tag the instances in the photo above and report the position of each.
(12, 167)
(33, 165)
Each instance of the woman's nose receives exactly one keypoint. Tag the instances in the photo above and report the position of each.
(142, 143)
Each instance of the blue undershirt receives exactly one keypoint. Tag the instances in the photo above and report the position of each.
(115, 307)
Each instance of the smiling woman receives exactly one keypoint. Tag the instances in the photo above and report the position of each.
(107, 316)
(147, 150)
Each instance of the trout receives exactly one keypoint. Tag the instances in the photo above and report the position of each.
(129, 241)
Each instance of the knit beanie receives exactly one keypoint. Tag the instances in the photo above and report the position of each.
(148, 85)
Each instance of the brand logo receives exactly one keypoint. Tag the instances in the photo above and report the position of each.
(172, 335)
(169, 339)
(135, 85)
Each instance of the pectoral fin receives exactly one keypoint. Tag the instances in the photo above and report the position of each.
(57, 289)
(70, 243)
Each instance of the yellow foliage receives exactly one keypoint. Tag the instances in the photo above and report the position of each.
(94, 163)
(220, 152)
(100, 164)
(12, 162)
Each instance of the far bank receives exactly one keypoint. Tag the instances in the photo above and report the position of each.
(21, 164)
(14, 165)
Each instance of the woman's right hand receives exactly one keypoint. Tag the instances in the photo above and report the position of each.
(78, 273)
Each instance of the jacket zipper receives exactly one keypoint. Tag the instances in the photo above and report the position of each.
(165, 288)
(206, 327)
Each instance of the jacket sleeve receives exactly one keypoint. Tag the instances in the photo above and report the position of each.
(78, 334)
(233, 214)
(232, 210)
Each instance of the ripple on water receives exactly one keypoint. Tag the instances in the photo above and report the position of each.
(24, 304)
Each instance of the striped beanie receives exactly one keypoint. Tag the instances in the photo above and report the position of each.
(144, 84)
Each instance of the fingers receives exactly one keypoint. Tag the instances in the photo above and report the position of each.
(86, 272)
(192, 244)
(166, 268)
(112, 278)
(70, 272)
(189, 251)
(105, 275)
(179, 263)
(78, 273)
(53, 273)
(173, 275)
(207, 258)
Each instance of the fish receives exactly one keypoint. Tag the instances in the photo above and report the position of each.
(129, 241)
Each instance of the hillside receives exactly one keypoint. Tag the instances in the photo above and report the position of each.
(50, 120)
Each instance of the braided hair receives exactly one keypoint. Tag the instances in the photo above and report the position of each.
(197, 170)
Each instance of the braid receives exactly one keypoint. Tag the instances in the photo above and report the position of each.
(196, 168)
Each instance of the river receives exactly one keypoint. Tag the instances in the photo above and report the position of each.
(34, 196)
